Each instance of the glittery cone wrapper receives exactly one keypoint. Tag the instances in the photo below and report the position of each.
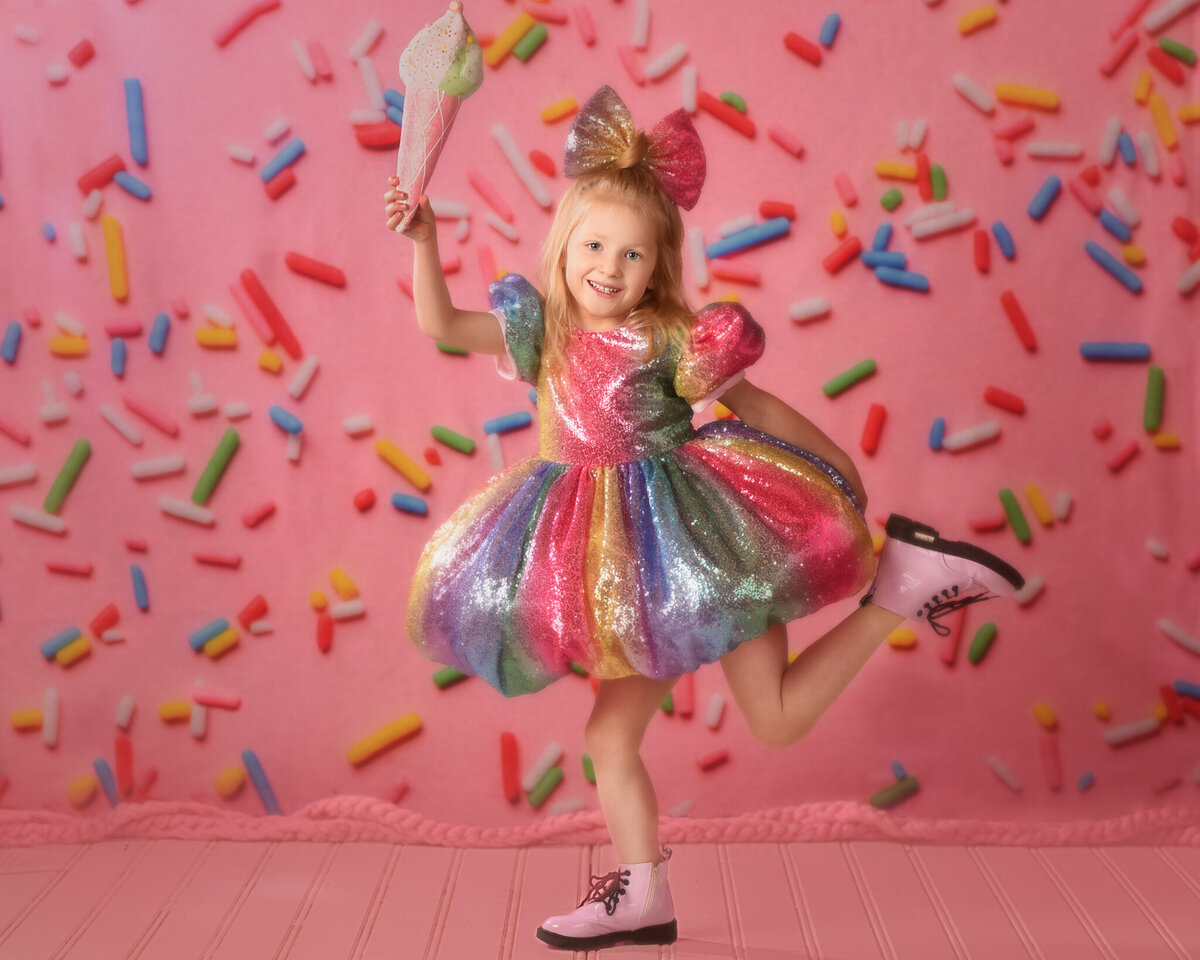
(441, 67)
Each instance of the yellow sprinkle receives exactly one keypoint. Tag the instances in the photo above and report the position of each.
(73, 651)
(1040, 508)
(174, 710)
(877, 542)
(270, 361)
(1161, 712)
(1027, 96)
(557, 111)
(1141, 89)
(1134, 256)
(343, 584)
(118, 282)
(68, 346)
(896, 171)
(82, 789)
(317, 600)
(721, 412)
(1162, 120)
(225, 640)
(380, 740)
(229, 782)
(837, 220)
(502, 46)
(397, 458)
(1100, 709)
(216, 337)
(730, 297)
(1045, 715)
(976, 20)
(1166, 441)
(792, 656)
(1190, 113)
(26, 719)
(902, 638)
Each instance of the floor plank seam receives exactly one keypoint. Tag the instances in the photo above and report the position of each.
(42, 894)
(512, 909)
(733, 911)
(1185, 878)
(1073, 902)
(949, 927)
(141, 852)
(808, 929)
(225, 924)
(287, 943)
(1024, 934)
(882, 937)
(445, 902)
(172, 898)
(1148, 911)
(366, 926)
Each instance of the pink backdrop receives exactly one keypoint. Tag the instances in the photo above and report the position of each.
(1090, 635)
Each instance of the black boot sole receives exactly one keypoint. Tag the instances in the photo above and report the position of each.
(659, 934)
(918, 534)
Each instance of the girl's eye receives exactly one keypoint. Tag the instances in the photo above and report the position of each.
(593, 245)
(633, 254)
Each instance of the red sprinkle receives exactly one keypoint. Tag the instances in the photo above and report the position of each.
(364, 500)
(1171, 699)
(924, 183)
(804, 49)
(873, 427)
(1167, 65)
(65, 566)
(1090, 175)
(1101, 429)
(510, 779)
(181, 308)
(104, 619)
(628, 60)
(770, 209)
(82, 52)
(266, 306)
(1168, 785)
(252, 611)
(100, 174)
(252, 518)
(280, 184)
(982, 251)
(846, 251)
(324, 632)
(714, 759)
(124, 328)
(242, 20)
(135, 543)
(432, 456)
(320, 60)
(1185, 230)
(1003, 399)
(32, 316)
(1123, 456)
(123, 754)
(1017, 318)
(724, 112)
(232, 560)
(385, 134)
(543, 162)
(314, 268)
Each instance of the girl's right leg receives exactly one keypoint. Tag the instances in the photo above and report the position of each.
(622, 712)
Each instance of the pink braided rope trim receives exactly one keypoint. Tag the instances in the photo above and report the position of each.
(345, 818)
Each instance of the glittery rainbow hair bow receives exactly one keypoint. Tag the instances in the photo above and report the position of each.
(603, 130)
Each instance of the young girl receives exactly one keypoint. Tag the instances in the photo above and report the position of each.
(634, 544)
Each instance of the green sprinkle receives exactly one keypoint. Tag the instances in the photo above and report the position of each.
(448, 677)
(734, 100)
(550, 779)
(1178, 50)
(848, 379)
(446, 348)
(216, 466)
(530, 42)
(451, 439)
(900, 790)
(981, 642)
(891, 199)
(937, 180)
(66, 476)
(589, 772)
(1015, 516)
(668, 704)
(578, 670)
(1152, 415)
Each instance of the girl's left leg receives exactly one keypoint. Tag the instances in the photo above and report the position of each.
(782, 702)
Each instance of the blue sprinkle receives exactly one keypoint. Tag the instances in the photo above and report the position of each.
(1128, 150)
(751, 236)
(829, 29)
(105, 775)
(395, 98)
(533, 395)
(1114, 266)
(158, 333)
(1106, 350)
(510, 421)
(132, 185)
(883, 236)
(291, 152)
(1115, 225)
(883, 258)
(118, 356)
(1185, 689)
(902, 278)
(50, 647)
(261, 784)
(139, 587)
(198, 639)
(898, 770)
(1, 202)
(48, 231)
(396, 116)
(285, 420)
(135, 117)
(12, 340)
(1045, 196)
(409, 503)
(936, 433)
(1004, 238)
(1086, 781)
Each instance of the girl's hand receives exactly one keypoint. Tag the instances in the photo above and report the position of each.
(422, 227)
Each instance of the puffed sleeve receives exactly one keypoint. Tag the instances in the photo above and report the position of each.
(519, 309)
(725, 341)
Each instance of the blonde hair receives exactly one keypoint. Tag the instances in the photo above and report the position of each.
(663, 310)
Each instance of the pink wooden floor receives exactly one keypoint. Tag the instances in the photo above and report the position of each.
(177, 899)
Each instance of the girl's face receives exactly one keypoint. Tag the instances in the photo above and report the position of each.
(611, 255)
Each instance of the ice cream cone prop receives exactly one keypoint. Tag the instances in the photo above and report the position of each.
(441, 66)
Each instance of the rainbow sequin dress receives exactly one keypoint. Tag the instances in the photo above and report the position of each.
(633, 543)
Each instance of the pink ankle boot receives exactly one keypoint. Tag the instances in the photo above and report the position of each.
(630, 905)
(921, 576)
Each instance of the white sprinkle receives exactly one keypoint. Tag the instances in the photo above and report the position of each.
(1009, 778)
(198, 720)
(937, 225)
(1062, 506)
(186, 510)
(448, 210)
(21, 473)
(366, 67)
(74, 384)
(218, 316)
(733, 226)
(236, 410)
(26, 34)
(502, 227)
(1108, 142)
(358, 117)
(37, 518)
(716, 706)
(1189, 279)
(303, 377)
(901, 135)
(929, 211)
(962, 439)
(78, 242)
(1148, 153)
(277, 129)
(294, 441)
(550, 756)
(521, 165)
(811, 309)
(1177, 633)
(57, 74)
(202, 405)
(158, 467)
(48, 391)
(358, 424)
(259, 627)
(305, 61)
(1028, 593)
(1158, 549)
(916, 136)
(125, 711)
(1124, 207)
(53, 413)
(68, 323)
(1054, 148)
(112, 635)
(241, 154)
(91, 206)
(641, 24)
(566, 805)
(463, 230)
(50, 716)
(699, 257)
(688, 96)
(348, 610)
(663, 64)
(366, 40)
(493, 442)
(1159, 17)
(1129, 732)
(974, 93)
(681, 809)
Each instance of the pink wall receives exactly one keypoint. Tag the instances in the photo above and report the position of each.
(1090, 635)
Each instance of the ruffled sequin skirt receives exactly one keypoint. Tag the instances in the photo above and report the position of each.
(652, 567)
